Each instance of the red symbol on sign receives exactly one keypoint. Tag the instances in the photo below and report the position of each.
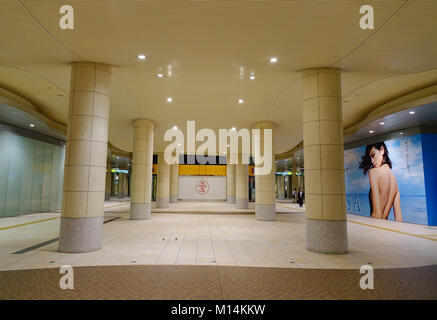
(202, 187)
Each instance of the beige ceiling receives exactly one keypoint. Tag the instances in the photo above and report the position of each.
(212, 46)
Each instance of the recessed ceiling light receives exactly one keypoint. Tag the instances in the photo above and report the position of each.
(175, 127)
(371, 131)
(401, 133)
(240, 101)
(233, 129)
(160, 75)
(412, 112)
(252, 77)
(169, 99)
(382, 123)
(273, 59)
(142, 57)
(32, 125)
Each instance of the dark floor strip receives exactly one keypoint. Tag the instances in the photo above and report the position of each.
(39, 245)
(110, 220)
(42, 244)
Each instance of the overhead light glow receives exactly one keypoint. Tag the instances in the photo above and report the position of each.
(273, 60)
(412, 112)
(169, 99)
(240, 101)
(175, 127)
(233, 129)
(160, 75)
(382, 123)
(32, 125)
(252, 77)
(141, 57)
(401, 133)
(371, 131)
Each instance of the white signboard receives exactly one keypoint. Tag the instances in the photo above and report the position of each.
(202, 188)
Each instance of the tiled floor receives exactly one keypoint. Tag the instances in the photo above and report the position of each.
(224, 238)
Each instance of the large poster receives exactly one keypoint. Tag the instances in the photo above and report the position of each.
(385, 180)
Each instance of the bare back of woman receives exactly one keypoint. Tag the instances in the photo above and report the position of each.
(385, 193)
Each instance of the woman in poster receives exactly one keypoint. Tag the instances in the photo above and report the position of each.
(384, 192)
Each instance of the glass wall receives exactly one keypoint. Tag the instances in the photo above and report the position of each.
(31, 175)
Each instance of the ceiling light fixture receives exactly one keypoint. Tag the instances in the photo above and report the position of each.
(412, 112)
(175, 127)
(401, 133)
(160, 75)
(240, 101)
(382, 123)
(169, 99)
(371, 131)
(233, 129)
(273, 60)
(142, 57)
(252, 77)
(32, 125)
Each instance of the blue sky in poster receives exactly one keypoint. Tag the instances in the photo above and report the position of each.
(406, 156)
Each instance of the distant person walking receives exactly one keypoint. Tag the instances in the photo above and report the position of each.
(300, 197)
(294, 195)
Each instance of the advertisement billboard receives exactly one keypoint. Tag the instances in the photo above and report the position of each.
(385, 180)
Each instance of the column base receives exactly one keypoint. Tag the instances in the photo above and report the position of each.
(265, 212)
(80, 234)
(162, 203)
(140, 211)
(173, 198)
(230, 199)
(326, 236)
(107, 196)
(242, 203)
(281, 197)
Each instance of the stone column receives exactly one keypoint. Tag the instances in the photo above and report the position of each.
(281, 188)
(108, 182)
(142, 162)
(163, 194)
(230, 180)
(265, 198)
(241, 185)
(174, 182)
(294, 180)
(122, 187)
(326, 226)
(85, 161)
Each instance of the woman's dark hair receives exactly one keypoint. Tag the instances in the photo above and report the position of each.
(366, 161)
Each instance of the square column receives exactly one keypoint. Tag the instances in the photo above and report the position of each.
(265, 198)
(241, 185)
(163, 195)
(174, 183)
(326, 226)
(85, 160)
(230, 181)
(142, 166)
